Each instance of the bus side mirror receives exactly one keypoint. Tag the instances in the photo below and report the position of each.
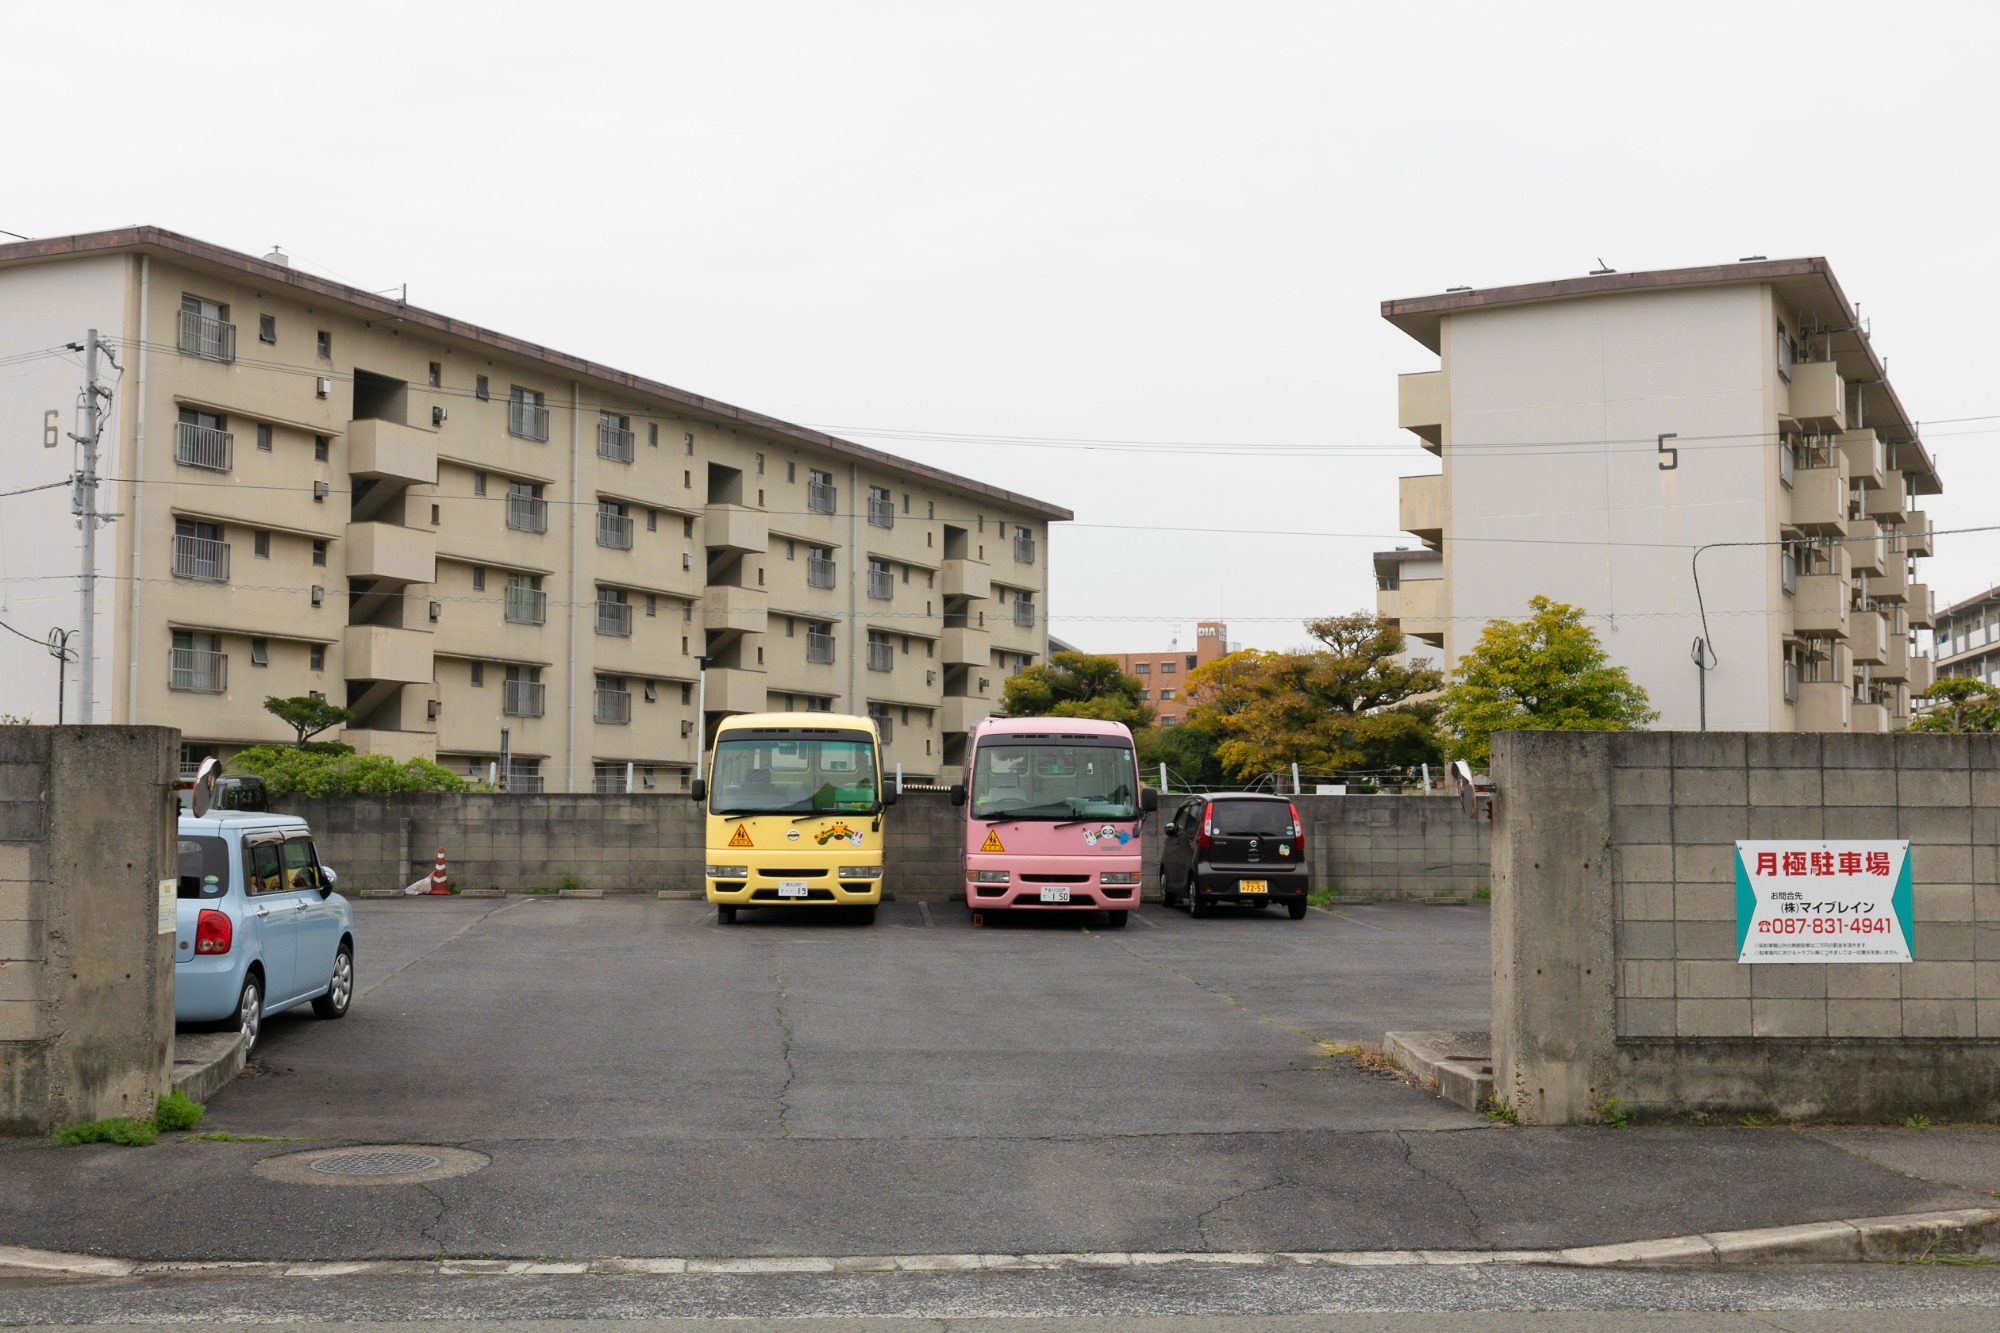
(1148, 799)
(890, 792)
(698, 790)
(958, 793)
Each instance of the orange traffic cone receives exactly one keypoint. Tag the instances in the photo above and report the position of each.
(440, 882)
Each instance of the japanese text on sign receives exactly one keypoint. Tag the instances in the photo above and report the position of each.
(1823, 902)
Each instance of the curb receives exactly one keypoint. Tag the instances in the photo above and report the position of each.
(579, 893)
(1458, 1064)
(1903, 1238)
(205, 1062)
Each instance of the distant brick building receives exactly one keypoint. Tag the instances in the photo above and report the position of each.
(1161, 674)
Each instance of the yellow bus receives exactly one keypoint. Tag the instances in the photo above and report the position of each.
(795, 806)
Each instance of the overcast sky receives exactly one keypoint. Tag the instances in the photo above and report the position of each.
(1153, 222)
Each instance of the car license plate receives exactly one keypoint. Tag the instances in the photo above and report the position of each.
(1252, 886)
(1055, 895)
(791, 888)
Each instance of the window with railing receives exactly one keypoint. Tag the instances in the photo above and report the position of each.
(607, 779)
(1024, 547)
(198, 670)
(524, 776)
(198, 555)
(526, 604)
(819, 644)
(613, 702)
(1024, 612)
(205, 330)
(881, 509)
(820, 494)
(200, 440)
(527, 511)
(614, 613)
(1788, 461)
(522, 697)
(881, 654)
(1791, 681)
(881, 586)
(614, 437)
(526, 417)
(614, 527)
(819, 569)
(1788, 571)
(884, 724)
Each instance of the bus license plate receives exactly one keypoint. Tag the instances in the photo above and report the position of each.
(791, 888)
(1252, 886)
(1055, 895)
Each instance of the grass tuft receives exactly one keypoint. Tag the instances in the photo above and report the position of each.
(177, 1112)
(122, 1130)
(1917, 1122)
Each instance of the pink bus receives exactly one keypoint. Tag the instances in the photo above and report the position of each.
(1052, 807)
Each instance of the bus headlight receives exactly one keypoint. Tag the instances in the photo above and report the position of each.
(1119, 877)
(860, 872)
(988, 877)
(729, 872)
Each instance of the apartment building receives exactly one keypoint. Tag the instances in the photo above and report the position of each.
(1163, 675)
(1594, 432)
(1967, 637)
(464, 536)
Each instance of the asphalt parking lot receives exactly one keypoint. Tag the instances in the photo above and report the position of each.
(646, 1082)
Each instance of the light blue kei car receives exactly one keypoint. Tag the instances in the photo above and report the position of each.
(258, 927)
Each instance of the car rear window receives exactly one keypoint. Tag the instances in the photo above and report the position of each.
(1263, 818)
(204, 867)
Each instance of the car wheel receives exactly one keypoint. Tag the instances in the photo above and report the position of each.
(725, 916)
(1297, 911)
(340, 988)
(865, 916)
(250, 1012)
(1195, 906)
(1115, 920)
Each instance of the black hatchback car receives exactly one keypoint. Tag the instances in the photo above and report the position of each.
(1242, 849)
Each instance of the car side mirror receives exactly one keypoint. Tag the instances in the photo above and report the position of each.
(698, 790)
(958, 793)
(1173, 830)
(328, 881)
(889, 793)
(1148, 799)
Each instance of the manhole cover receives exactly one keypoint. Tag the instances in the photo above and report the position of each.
(375, 1163)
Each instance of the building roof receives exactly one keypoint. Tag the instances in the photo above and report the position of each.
(1404, 554)
(1990, 595)
(200, 254)
(1807, 285)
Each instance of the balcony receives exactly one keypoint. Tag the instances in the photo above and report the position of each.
(726, 527)
(527, 421)
(1820, 499)
(1918, 607)
(725, 607)
(1895, 665)
(389, 552)
(881, 584)
(881, 511)
(1868, 637)
(1915, 537)
(201, 558)
(204, 447)
(957, 712)
(1024, 613)
(1024, 549)
(1866, 551)
(209, 338)
(1893, 584)
(1420, 508)
(965, 578)
(527, 513)
(1864, 454)
(1888, 500)
(1923, 672)
(1865, 715)
(820, 572)
(614, 530)
(1389, 603)
(819, 648)
(966, 647)
(1824, 705)
(614, 442)
(527, 606)
(821, 497)
(881, 655)
(380, 652)
(1426, 606)
(524, 698)
(614, 619)
(197, 671)
(1820, 606)
(388, 451)
(1420, 406)
(1818, 396)
(613, 707)
(735, 690)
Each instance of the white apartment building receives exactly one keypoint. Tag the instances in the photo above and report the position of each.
(1968, 638)
(1592, 432)
(456, 533)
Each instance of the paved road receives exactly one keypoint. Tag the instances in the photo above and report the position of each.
(648, 1083)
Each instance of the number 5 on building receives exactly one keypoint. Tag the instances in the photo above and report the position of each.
(1670, 458)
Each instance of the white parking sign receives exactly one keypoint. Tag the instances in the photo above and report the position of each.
(1823, 902)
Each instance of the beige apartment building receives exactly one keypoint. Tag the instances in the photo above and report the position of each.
(1593, 432)
(462, 535)
(1162, 675)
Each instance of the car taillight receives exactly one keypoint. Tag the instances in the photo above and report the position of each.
(1298, 830)
(1202, 839)
(213, 932)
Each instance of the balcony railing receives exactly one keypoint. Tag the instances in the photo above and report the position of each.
(527, 513)
(608, 781)
(1024, 549)
(198, 671)
(615, 618)
(614, 530)
(614, 442)
(523, 698)
(819, 572)
(522, 781)
(614, 707)
(527, 420)
(881, 586)
(881, 656)
(1024, 613)
(819, 647)
(527, 606)
(821, 497)
(207, 337)
(204, 446)
(201, 558)
(881, 512)
(884, 724)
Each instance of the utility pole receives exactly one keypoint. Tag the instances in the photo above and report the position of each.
(85, 505)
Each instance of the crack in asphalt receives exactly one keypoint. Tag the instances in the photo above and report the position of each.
(785, 1051)
(447, 940)
(435, 1222)
(1464, 1200)
(1201, 1218)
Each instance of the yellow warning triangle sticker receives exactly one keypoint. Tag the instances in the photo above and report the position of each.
(992, 843)
(742, 837)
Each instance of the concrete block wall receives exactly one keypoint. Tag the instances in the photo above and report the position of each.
(86, 975)
(1615, 926)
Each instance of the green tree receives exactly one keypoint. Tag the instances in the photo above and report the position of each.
(306, 715)
(1076, 685)
(1545, 673)
(1352, 703)
(1189, 752)
(289, 771)
(1963, 704)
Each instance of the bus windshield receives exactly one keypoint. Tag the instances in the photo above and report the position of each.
(779, 775)
(1054, 781)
